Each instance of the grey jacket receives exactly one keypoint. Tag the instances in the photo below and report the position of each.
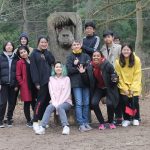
(114, 52)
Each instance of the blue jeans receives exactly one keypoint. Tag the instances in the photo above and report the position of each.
(82, 96)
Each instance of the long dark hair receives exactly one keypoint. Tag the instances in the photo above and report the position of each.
(42, 37)
(122, 61)
(22, 47)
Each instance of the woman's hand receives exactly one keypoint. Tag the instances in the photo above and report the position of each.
(76, 61)
(16, 88)
(38, 87)
(81, 68)
(126, 93)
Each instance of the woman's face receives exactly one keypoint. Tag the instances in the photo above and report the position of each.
(76, 46)
(126, 51)
(58, 69)
(43, 44)
(96, 57)
(23, 41)
(23, 53)
(9, 47)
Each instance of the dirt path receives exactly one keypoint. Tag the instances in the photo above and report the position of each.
(22, 138)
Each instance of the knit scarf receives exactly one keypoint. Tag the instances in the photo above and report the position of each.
(79, 51)
(98, 74)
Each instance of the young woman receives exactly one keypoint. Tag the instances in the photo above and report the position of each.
(128, 67)
(60, 91)
(80, 90)
(8, 83)
(41, 61)
(102, 82)
(27, 89)
(24, 41)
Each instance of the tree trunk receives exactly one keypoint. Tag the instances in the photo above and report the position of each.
(25, 21)
(139, 34)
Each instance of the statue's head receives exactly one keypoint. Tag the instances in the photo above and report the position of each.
(65, 38)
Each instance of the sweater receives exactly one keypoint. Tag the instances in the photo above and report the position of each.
(60, 90)
(40, 66)
(129, 77)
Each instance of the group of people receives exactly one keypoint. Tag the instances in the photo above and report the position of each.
(89, 75)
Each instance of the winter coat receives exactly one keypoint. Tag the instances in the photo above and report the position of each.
(73, 73)
(21, 75)
(8, 69)
(112, 96)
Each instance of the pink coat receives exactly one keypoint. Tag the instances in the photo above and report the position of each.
(60, 90)
(21, 75)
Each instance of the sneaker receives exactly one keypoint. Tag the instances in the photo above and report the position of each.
(118, 122)
(136, 122)
(126, 123)
(101, 127)
(40, 130)
(88, 126)
(29, 124)
(9, 123)
(35, 126)
(2, 124)
(82, 128)
(6, 120)
(47, 126)
(112, 126)
(66, 130)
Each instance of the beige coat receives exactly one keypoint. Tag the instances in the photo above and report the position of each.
(114, 52)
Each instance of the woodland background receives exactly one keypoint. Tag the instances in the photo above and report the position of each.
(129, 19)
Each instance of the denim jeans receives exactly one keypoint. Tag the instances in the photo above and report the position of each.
(61, 112)
(82, 96)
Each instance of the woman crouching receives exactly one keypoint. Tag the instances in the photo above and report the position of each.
(60, 92)
(103, 83)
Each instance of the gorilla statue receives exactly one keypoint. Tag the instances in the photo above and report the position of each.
(63, 28)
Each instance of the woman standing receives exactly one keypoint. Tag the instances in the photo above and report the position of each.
(103, 82)
(80, 90)
(24, 41)
(40, 67)
(8, 83)
(128, 67)
(27, 89)
(60, 91)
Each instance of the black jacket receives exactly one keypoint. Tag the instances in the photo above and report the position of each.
(8, 76)
(91, 44)
(73, 72)
(40, 66)
(107, 69)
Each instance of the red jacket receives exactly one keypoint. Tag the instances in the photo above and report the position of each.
(21, 75)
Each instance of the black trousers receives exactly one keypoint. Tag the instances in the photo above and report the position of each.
(118, 110)
(125, 101)
(27, 109)
(8, 94)
(98, 94)
(43, 99)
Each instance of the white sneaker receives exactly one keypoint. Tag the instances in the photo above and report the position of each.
(126, 123)
(66, 130)
(136, 122)
(40, 131)
(35, 126)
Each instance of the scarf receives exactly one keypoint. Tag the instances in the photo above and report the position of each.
(79, 51)
(98, 74)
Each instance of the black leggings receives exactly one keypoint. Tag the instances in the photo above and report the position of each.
(125, 101)
(43, 99)
(98, 94)
(27, 109)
